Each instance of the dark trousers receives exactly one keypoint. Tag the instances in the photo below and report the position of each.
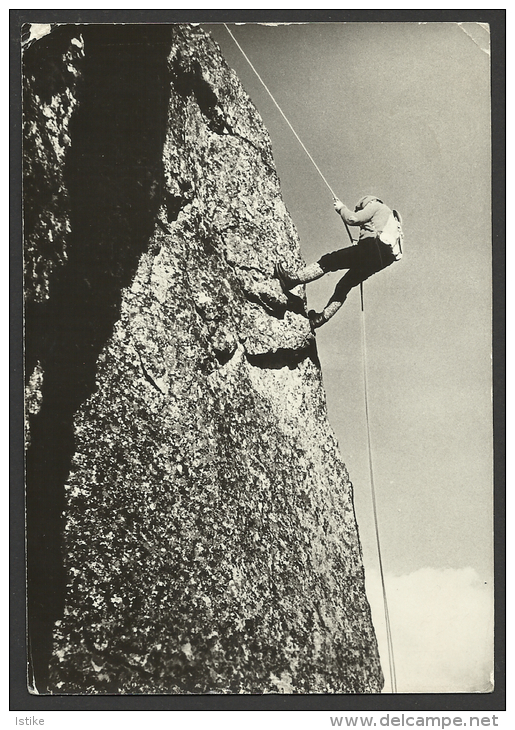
(368, 257)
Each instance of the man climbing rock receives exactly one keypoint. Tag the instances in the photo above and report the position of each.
(379, 245)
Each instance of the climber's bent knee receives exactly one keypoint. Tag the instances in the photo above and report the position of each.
(344, 258)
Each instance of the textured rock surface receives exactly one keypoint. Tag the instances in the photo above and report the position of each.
(210, 541)
(50, 99)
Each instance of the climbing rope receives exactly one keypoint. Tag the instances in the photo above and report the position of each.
(283, 114)
(389, 641)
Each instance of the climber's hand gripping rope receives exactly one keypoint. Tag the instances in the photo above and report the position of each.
(338, 205)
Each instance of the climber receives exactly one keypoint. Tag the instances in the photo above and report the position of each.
(379, 245)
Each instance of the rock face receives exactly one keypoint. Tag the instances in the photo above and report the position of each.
(180, 457)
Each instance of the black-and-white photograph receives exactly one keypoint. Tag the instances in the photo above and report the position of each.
(258, 358)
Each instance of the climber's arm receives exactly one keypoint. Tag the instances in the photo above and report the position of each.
(356, 218)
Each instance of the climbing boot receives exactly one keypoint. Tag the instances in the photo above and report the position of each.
(286, 280)
(316, 319)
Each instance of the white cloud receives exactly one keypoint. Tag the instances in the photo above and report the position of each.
(442, 629)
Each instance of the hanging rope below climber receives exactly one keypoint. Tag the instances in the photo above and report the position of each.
(379, 245)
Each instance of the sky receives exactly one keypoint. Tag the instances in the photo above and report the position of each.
(402, 111)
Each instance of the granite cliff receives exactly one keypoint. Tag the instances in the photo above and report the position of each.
(190, 521)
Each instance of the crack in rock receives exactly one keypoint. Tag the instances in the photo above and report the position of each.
(284, 357)
(147, 375)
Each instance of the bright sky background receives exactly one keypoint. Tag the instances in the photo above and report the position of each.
(401, 110)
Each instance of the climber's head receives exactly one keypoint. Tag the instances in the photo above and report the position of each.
(365, 200)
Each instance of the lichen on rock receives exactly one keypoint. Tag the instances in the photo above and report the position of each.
(209, 537)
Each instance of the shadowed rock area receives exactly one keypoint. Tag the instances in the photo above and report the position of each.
(190, 522)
